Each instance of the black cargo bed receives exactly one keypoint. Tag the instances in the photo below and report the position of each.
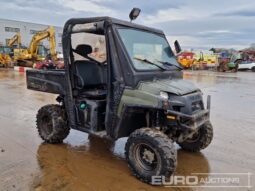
(50, 81)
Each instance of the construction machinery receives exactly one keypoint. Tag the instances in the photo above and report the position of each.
(15, 41)
(7, 52)
(186, 59)
(204, 60)
(37, 52)
(197, 60)
(228, 59)
(15, 44)
(5, 58)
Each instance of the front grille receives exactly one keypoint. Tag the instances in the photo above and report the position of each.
(177, 108)
(196, 106)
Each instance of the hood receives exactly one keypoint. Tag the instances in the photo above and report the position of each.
(173, 86)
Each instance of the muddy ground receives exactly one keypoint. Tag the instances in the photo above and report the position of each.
(87, 163)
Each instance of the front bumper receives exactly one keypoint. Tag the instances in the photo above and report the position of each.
(193, 121)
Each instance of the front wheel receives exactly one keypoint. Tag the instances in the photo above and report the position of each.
(150, 153)
(253, 69)
(199, 140)
(52, 124)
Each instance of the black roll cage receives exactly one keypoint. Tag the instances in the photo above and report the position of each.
(121, 74)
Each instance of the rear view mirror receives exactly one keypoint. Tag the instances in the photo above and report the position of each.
(134, 14)
(177, 47)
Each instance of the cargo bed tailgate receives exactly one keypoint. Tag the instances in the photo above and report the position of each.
(50, 81)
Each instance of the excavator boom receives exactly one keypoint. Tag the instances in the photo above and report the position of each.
(15, 39)
(41, 35)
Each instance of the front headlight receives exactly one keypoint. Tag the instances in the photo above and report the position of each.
(163, 95)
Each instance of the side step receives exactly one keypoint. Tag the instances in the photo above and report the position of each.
(101, 134)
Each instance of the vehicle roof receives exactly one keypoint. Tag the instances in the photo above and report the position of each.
(113, 21)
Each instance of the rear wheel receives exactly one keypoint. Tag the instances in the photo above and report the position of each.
(253, 69)
(200, 140)
(52, 124)
(150, 153)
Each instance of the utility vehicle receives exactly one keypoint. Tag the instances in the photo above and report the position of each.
(132, 87)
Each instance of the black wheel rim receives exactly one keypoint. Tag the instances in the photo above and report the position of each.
(146, 157)
(194, 138)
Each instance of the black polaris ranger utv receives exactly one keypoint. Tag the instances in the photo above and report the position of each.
(122, 80)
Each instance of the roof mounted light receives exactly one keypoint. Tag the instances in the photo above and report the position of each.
(134, 14)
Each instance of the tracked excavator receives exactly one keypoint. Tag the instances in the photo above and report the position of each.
(6, 52)
(37, 52)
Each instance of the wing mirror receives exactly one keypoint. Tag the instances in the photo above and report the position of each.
(177, 47)
(134, 14)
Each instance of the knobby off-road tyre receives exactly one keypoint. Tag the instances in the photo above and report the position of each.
(149, 153)
(52, 124)
(200, 140)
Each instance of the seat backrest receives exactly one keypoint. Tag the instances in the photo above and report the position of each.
(83, 50)
(91, 73)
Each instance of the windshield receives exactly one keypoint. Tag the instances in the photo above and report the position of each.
(144, 45)
(42, 51)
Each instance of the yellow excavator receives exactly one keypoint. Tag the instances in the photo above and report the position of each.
(36, 52)
(5, 58)
(6, 52)
(15, 40)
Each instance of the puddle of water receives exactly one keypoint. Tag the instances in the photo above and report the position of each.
(97, 164)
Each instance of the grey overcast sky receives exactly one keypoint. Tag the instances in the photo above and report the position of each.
(195, 23)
